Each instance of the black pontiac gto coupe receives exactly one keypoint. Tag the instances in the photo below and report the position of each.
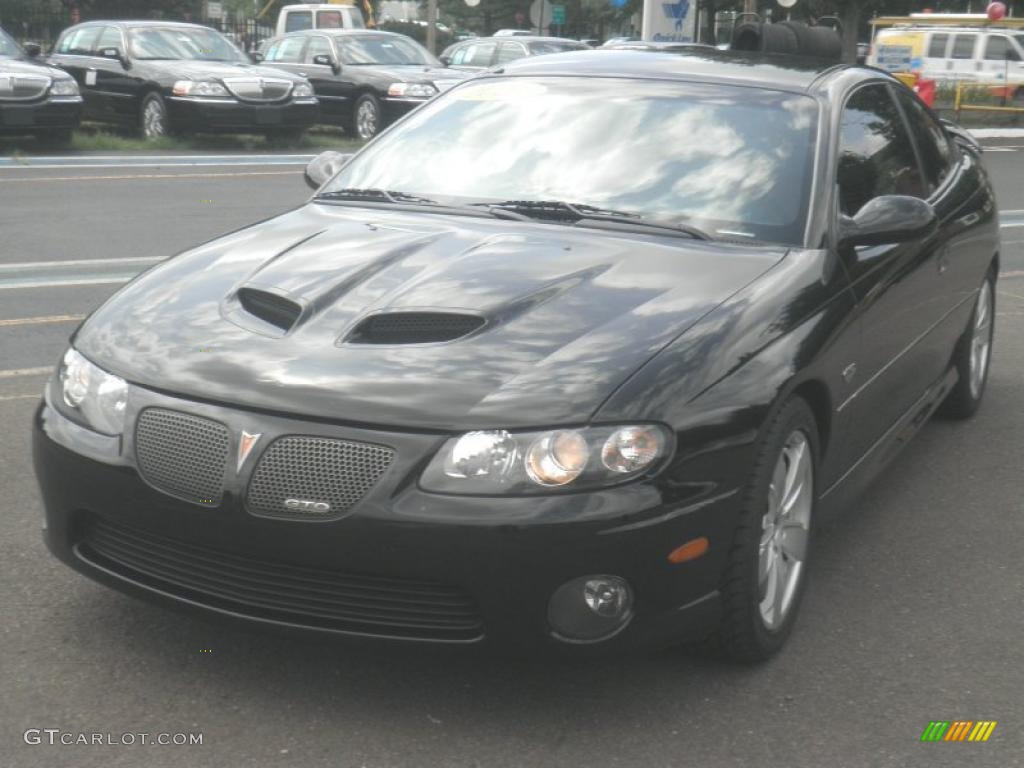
(577, 353)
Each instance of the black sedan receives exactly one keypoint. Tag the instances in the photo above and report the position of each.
(163, 77)
(483, 52)
(35, 99)
(579, 353)
(363, 79)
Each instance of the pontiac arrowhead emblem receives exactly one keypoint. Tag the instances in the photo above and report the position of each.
(245, 445)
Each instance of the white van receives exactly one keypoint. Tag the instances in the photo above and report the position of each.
(294, 18)
(988, 55)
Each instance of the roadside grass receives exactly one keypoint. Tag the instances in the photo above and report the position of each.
(93, 138)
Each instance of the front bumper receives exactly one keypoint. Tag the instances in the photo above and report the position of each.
(189, 115)
(51, 114)
(403, 565)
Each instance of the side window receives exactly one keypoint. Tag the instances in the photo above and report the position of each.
(479, 55)
(937, 46)
(110, 37)
(875, 154)
(998, 48)
(318, 46)
(936, 155)
(286, 51)
(296, 21)
(963, 46)
(458, 55)
(79, 42)
(509, 52)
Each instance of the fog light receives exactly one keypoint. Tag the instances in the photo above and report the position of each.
(590, 608)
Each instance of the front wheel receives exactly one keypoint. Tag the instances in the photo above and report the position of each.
(767, 566)
(973, 355)
(153, 120)
(366, 117)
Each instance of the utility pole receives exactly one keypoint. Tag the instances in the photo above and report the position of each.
(432, 26)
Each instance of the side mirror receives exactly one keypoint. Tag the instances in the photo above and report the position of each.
(32, 50)
(446, 60)
(113, 53)
(323, 60)
(256, 57)
(888, 219)
(324, 166)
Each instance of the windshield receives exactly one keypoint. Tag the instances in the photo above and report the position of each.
(7, 45)
(735, 162)
(382, 49)
(181, 43)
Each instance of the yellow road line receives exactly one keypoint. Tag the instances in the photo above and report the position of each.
(123, 177)
(40, 320)
(36, 396)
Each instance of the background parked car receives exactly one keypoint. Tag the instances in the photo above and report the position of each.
(34, 98)
(296, 18)
(163, 77)
(363, 79)
(483, 52)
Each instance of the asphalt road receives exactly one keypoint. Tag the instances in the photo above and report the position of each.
(913, 613)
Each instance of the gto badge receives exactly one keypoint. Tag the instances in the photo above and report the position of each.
(302, 505)
(245, 445)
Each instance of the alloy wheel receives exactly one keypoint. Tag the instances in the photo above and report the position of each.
(366, 120)
(785, 527)
(153, 120)
(981, 339)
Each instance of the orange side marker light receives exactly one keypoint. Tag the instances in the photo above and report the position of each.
(688, 551)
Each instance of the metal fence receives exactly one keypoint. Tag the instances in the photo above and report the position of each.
(31, 20)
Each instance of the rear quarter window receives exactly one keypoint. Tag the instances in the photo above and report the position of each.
(963, 46)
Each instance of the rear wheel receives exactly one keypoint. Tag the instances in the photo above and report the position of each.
(366, 117)
(153, 121)
(973, 355)
(767, 567)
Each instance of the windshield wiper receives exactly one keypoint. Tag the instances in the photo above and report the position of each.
(373, 195)
(591, 216)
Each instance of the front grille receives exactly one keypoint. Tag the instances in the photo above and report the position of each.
(260, 89)
(23, 87)
(266, 589)
(182, 455)
(314, 469)
(269, 307)
(414, 327)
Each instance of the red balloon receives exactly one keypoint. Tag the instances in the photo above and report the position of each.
(995, 11)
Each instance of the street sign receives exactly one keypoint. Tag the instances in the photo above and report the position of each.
(558, 14)
(214, 10)
(669, 21)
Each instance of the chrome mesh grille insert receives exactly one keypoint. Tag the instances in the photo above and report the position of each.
(23, 87)
(279, 591)
(317, 469)
(182, 455)
(414, 327)
(262, 89)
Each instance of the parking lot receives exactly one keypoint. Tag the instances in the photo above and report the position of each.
(913, 612)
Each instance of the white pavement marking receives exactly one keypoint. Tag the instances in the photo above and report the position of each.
(151, 165)
(36, 396)
(123, 177)
(59, 283)
(11, 373)
(997, 133)
(40, 320)
(17, 266)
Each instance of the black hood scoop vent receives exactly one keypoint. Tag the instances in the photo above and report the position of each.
(414, 327)
(269, 307)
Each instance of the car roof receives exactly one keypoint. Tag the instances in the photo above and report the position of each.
(785, 73)
(344, 32)
(521, 39)
(142, 23)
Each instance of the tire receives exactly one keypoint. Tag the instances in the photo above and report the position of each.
(972, 357)
(771, 544)
(153, 120)
(367, 118)
(60, 137)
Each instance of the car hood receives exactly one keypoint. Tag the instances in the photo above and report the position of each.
(204, 70)
(570, 313)
(23, 67)
(418, 73)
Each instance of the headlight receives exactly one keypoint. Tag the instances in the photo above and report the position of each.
(97, 397)
(200, 88)
(64, 87)
(302, 91)
(412, 90)
(496, 462)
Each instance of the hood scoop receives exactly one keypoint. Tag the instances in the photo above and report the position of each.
(414, 327)
(271, 308)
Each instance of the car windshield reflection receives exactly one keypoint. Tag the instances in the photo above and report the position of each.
(170, 43)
